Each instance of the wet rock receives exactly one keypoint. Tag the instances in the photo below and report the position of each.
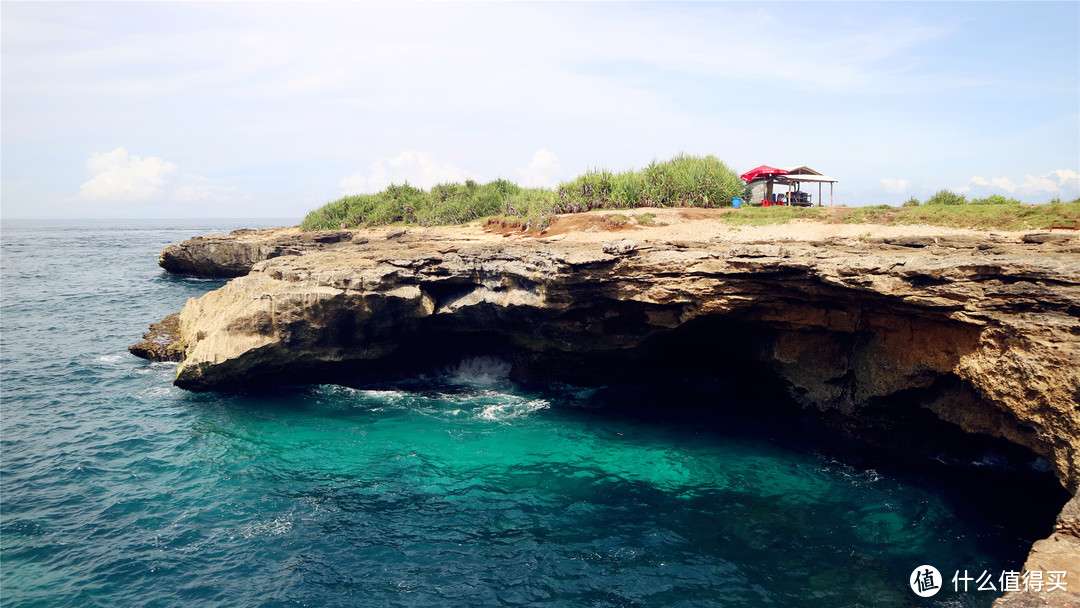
(162, 343)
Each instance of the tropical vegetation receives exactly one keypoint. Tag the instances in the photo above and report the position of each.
(683, 181)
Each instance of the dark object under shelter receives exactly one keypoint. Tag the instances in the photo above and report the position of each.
(763, 182)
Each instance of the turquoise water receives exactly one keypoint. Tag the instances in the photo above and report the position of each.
(457, 488)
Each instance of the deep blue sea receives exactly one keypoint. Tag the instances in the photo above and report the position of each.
(455, 488)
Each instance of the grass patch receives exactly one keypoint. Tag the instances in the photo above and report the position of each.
(683, 181)
(879, 214)
(646, 219)
(1003, 214)
(990, 216)
(971, 214)
(766, 216)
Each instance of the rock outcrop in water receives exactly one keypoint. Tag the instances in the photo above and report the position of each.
(981, 331)
(234, 254)
(162, 342)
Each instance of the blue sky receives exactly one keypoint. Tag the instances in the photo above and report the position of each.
(145, 109)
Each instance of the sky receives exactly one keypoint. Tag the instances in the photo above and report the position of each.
(251, 109)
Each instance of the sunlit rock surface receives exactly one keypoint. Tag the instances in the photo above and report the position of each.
(982, 331)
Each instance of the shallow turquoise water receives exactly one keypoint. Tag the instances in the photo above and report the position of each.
(455, 489)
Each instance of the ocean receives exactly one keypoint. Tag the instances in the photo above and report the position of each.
(456, 487)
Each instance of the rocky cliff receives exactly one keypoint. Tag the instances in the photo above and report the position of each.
(234, 254)
(980, 331)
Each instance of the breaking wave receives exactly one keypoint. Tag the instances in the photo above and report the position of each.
(479, 371)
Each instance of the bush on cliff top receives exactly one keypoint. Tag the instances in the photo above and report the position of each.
(683, 181)
(947, 197)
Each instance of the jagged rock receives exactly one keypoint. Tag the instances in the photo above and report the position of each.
(844, 332)
(1058, 553)
(758, 251)
(163, 342)
(619, 246)
(233, 255)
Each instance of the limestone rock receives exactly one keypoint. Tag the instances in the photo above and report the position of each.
(619, 246)
(844, 331)
(163, 342)
(233, 255)
(1060, 552)
(981, 332)
(1049, 237)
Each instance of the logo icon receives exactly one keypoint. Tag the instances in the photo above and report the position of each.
(925, 581)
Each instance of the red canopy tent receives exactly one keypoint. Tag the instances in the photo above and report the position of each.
(767, 172)
(757, 172)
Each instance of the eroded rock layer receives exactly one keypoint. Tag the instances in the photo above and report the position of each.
(983, 334)
(234, 254)
(979, 331)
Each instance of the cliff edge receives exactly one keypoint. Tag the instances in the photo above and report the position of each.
(865, 325)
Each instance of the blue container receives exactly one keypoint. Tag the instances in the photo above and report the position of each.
(736, 202)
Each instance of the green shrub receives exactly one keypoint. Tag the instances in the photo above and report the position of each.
(683, 181)
(629, 188)
(1057, 201)
(911, 202)
(995, 199)
(946, 197)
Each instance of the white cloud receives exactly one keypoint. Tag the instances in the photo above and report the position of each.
(1004, 183)
(1041, 184)
(894, 186)
(1058, 182)
(419, 169)
(1065, 176)
(541, 172)
(1064, 182)
(120, 177)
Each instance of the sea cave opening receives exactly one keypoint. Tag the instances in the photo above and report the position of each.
(721, 372)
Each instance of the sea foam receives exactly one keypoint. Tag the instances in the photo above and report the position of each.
(479, 371)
